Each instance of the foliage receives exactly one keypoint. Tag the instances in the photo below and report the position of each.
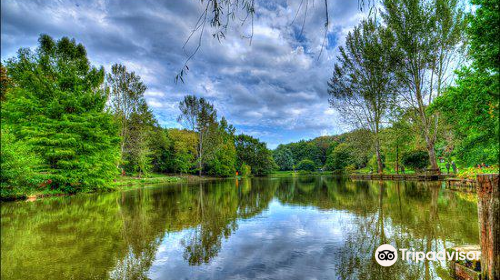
(416, 160)
(428, 36)
(475, 119)
(183, 150)
(57, 107)
(18, 163)
(306, 165)
(316, 149)
(135, 119)
(221, 151)
(339, 158)
(363, 87)
(197, 114)
(283, 157)
(472, 172)
(251, 151)
(245, 170)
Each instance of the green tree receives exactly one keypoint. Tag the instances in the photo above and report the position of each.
(197, 114)
(57, 107)
(254, 153)
(363, 87)
(221, 151)
(339, 158)
(140, 127)
(471, 106)
(184, 149)
(306, 165)
(283, 157)
(428, 36)
(135, 119)
(18, 165)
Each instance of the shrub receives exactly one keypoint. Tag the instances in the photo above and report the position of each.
(245, 170)
(416, 160)
(307, 165)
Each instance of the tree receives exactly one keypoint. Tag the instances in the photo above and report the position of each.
(428, 36)
(306, 165)
(18, 165)
(197, 114)
(161, 149)
(140, 127)
(57, 107)
(362, 87)
(283, 158)
(5, 82)
(127, 104)
(471, 106)
(184, 150)
(221, 151)
(339, 159)
(254, 153)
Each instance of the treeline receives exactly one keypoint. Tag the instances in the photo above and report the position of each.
(422, 78)
(69, 127)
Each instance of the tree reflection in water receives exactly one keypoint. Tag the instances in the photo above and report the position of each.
(126, 235)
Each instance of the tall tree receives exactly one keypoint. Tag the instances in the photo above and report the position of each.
(197, 114)
(471, 106)
(428, 37)
(362, 87)
(135, 119)
(57, 107)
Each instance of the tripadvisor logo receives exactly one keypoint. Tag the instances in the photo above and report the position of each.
(386, 255)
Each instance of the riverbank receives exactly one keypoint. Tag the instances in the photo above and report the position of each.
(119, 184)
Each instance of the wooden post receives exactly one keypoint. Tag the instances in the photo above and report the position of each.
(488, 207)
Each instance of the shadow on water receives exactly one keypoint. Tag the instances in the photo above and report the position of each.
(297, 227)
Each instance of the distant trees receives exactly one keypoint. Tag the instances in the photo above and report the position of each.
(363, 87)
(197, 114)
(221, 150)
(306, 165)
(252, 152)
(283, 157)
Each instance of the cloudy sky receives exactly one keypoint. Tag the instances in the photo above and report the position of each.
(274, 88)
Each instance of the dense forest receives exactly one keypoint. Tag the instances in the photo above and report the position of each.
(419, 84)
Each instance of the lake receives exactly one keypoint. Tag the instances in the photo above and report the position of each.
(306, 227)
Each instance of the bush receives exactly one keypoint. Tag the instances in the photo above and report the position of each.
(307, 165)
(416, 160)
(245, 170)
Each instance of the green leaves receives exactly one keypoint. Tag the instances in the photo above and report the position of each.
(57, 107)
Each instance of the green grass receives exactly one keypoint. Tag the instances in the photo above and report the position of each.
(127, 182)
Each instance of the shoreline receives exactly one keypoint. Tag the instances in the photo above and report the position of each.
(124, 183)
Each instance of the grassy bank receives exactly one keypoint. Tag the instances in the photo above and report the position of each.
(119, 184)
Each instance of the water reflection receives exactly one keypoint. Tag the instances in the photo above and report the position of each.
(304, 227)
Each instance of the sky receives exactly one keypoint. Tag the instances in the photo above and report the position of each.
(274, 88)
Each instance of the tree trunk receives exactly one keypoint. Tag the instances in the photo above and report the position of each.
(380, 167)
(432, 154)
(200, 153)
(488, 207)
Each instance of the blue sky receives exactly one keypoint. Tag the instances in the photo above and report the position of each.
(274, 89)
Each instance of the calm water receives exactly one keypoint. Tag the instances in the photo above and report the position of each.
(262, 228)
